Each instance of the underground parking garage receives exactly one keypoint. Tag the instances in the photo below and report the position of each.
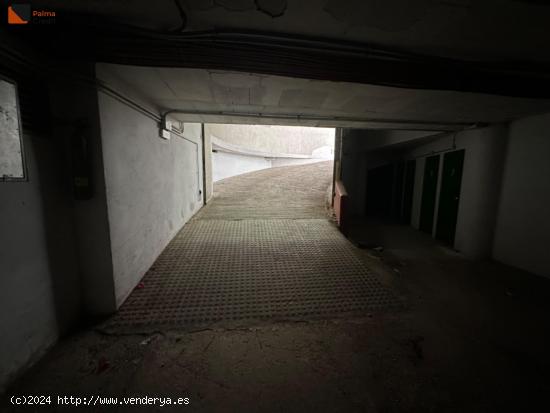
(156, 248)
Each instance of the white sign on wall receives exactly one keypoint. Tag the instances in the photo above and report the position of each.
(11, 148)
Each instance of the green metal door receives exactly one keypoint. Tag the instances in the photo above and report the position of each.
(429, 191)
(449, 196)
(408, 192)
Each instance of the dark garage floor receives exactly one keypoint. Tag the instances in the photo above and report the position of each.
(468, 336)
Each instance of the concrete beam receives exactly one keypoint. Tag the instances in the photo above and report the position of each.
(293, 56)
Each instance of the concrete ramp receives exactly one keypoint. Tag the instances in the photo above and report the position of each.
(254, 254)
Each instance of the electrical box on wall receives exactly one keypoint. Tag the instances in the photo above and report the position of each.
(169, 126)
(81, 164)
(165, 128)
(166, 124)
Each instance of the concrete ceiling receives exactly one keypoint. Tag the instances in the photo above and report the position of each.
(230, 97)
(467, 29)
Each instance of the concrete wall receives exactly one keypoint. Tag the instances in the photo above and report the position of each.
(63, 258)
(370, 139)
(273, 139)
(39, 282)
(76, 112)
(41, 291)
(154, 187)
(522, 236)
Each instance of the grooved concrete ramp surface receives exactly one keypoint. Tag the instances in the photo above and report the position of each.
(263, 249)
(289, 192)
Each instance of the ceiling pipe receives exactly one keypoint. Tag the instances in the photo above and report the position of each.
(401, 124)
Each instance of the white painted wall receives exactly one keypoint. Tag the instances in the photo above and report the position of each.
(505, 192)
(246, 148)
(276, 162)
(522, 236)
(154, 187)
(481, 177)
(297, 140)
(208, 172)
(225, 165)
(480, 183)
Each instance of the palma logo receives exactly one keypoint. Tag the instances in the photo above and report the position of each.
(19, 13)
(22, 13)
